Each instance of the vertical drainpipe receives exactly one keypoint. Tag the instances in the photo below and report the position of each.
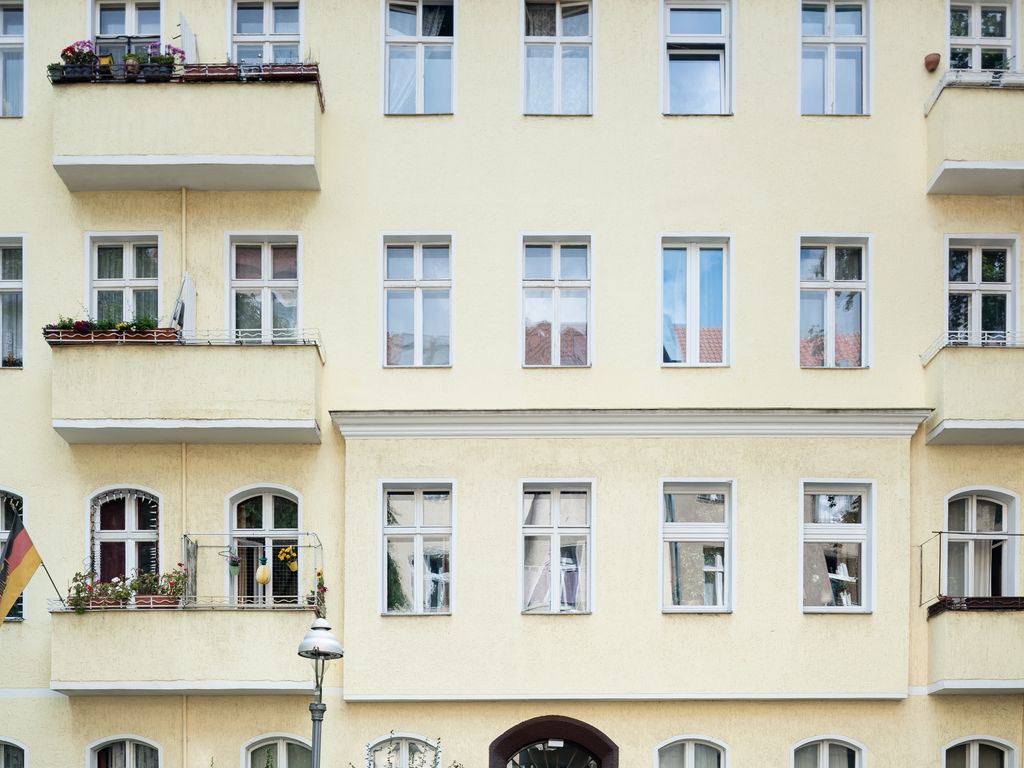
(184, 479)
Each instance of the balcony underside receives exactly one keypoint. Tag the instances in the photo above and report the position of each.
(977, 432)
(964, 177)
(170, 172)
(221, 431)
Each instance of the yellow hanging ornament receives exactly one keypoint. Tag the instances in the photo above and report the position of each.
(263, 572)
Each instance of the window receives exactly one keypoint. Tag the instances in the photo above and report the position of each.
(11, 308)
(279, 753)
(696, 557)
(835, 543)
(977, 754)
(264, 524)
(126, 27)
(698, 58)
(691, 753)
(980, 276)
(264, 287)
(979, 554)
(125, 279)
(694, 296)
(420, 38)
(980, 36)
(556, 548)
(11, 756)
(558, 58)
(833, 58)
(556, 295)
(827, 753)
(125, 754)
(12, 59)
(553, 752)
(551, 740)
(266, 32)
(125, 533)
(833, 288)
(418, 548)
(11, 509)
(403, 752)
(417, 297)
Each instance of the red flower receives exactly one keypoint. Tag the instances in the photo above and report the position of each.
(89, 587)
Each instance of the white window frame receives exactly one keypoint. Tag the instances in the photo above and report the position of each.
(131, 27)
(131, 534)
(127, 284)
(268, 38)
(976, 42)
(829, 285)
(725, 40)
(403, 740)
(129, 740)
(267, 334)
(692, 245)
(417, 284)
(420, 42)
(700, 533)
(7, 492)
(1011, 548)
(15, 43)
(263, 593)
(555, 532)
(14, 286)
(556, 44)
(556, 284)
(1009, 750)
(862, 533)
(280, 740)
(6, 743)
(823, 743)
(690, 741)
(830, 42)
(416, 532)
(976, 288)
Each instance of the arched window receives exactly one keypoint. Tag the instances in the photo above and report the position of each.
(979, 553)
(402, 751)
(125, 753)
(281, 752)
(688, 752)
(264, 523)
(11, 507)
(553, 741)
(979, 753)
(827, 753)
(125, 526)
(11, 756)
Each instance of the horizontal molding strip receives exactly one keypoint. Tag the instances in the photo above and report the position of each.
(137, 687)
(129, 160)
(681, 696)
(902, 423)
(975, 687)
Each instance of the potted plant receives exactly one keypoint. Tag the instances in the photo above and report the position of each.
(110, 594)
(161, 66)
(79, 61)
(10, 361)
(289, 557)
(132, 65)
(234, 561)
(160, 590)
(142, 329)
(80, 591)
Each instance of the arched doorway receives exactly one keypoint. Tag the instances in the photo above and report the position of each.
(553, 741)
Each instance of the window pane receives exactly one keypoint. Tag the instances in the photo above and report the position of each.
(993, 313)
(263, 756)
(249, 20)
(573, 561)
(993, 265)
(12, 63)
(573, 262)
(849, 339)
(812, 262)
(112, 20)
(400, 573)
(298, 756)
(538, 263)
(286, 19)
(249, 513)
(849, 20)
(959, 22)
(695, 84)
(13, 21)
(146, 263)
(436, 573)
(540, 19)
(538, 313)
(10, 264)
(990, 757)
(248, 262)
(285, 262)
(146, 304)
(110, 262)
(248, 310)
(572, 508)
(537, 508)
(989, 517)
(10, 323)
(812, 81)
(438, 20)
(848, 263)
(690, 507)
(993, 22)
(674, 305)
(400, 338)
(112, 515)
(840, 756)
(286, 512)
(959, 312)
(401, 509)
(146, 558)
(285, 54)
(250, 54)
(537, 573)
(812, 329)
(957, 520)
(435, 262)
(437, 79)
(694, 573)
(575, 79)
(112, 560)
(572, 310)
(110, 306)
(400, 262)
(995, 58)
(436, 328)
(576, 20)
(831, 508)
(112, 755)
(705, 756)
(812, 19)
(956, 569)
(959, 265)
(712, 312)
(401, 79)
(148, 19)
(695, 21)
(540, 79)
(831, 574)
(286, 308)
(437, 508)
(14, 757)
(960, 58)
(401, 19)
(849, 81)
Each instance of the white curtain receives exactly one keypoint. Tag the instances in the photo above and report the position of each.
(434, 17)
(982, 568)
(12, 66)
(146, 757)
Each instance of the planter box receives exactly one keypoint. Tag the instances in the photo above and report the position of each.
(56, 337)
(157, 601)
(77, 73)
(106, 602)
(156, 73)
(198, 73)
(295, 73)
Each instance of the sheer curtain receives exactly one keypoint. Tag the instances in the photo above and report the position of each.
(437, 21)
(12, 67)
(146, 757)
(10, 325)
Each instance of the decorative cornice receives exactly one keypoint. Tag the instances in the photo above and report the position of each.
(900, 422)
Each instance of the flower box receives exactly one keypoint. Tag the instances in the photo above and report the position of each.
(77, 73)
(290, 72)
(157, 601)
(198, 73)
(156, 73)
(57, 337)
(106, 602)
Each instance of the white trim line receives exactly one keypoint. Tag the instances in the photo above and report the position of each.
(628, 423)
(71, 160)
(28, 693)
(960, 425)
(136, 687)
(268, 424)
(674, 696)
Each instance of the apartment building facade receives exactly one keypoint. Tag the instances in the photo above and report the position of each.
(640, 379)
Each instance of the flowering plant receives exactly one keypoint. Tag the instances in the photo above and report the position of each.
(80, 591)
(288, 555)
(171, 56)
(79, 52)
(118, 589)
(316, 595)
(173, 582)
(83, 326)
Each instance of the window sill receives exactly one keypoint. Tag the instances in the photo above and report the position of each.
(835, 367)
(417, 367)
(392, 615)
(555, 613)
(697, 114)
(679, 610)
(12, 368)
(558, 114)
(837, 611)
(13, 620)
(684, 366)
(555, 367)
(418, 114)
(11, 117)
(834, 114)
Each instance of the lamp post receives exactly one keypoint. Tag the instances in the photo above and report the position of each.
(320, 646)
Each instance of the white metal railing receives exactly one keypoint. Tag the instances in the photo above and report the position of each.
(973, 339)
(282, 336)
(961, 78)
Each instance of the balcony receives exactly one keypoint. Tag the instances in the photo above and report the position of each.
(974, 645)
(206, 388)
(195, 138)
(975, 146)
(973, 384)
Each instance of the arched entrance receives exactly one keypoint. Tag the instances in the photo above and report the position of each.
(553, 741)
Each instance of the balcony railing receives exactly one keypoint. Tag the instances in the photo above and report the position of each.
(933, 568)
(972, 339)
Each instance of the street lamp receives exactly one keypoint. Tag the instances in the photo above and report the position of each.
(320, 646)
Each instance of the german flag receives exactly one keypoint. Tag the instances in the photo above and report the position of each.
(18, 563)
